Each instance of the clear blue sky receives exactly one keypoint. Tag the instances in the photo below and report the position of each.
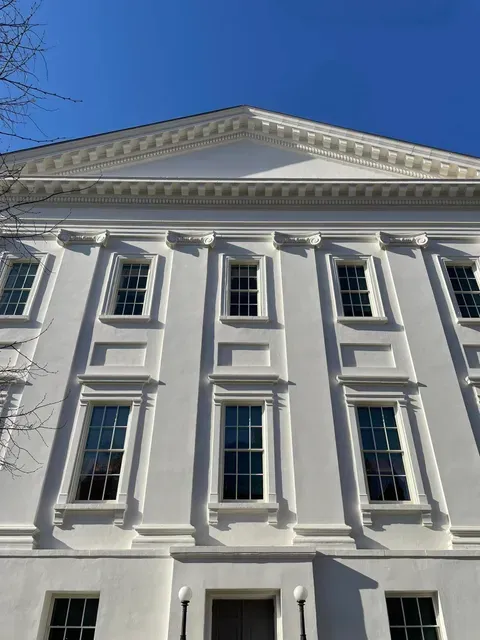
(407, 69)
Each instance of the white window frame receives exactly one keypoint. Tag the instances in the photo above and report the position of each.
(98, 390)
(228, 394)
(46, 616)
(418, 503)
(445, 262)
(6, 261)
(378, 312)
(243, 259)
(110, 294)
(418, 594)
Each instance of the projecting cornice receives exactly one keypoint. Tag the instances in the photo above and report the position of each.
(98, 153)
(247, 192)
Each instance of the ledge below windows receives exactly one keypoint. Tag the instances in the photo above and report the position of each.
(362, 319)
(270, 509)
(422, 511)
(244, 319)
(111, 319)
(117, 509)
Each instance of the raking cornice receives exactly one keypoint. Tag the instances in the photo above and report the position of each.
(143, 143)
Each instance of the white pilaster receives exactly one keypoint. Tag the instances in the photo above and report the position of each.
(320, 511)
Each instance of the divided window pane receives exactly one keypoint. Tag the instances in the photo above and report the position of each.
(412, 618)
(103, 454)
(382, 454)
(132, 289)
(466, 290)
(243, 294)
(354, 291)
(73, 619)
(243, 453)
(17, 288)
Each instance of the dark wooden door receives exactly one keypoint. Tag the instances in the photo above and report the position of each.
(243, 620)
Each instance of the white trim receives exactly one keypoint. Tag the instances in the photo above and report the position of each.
(111, 287)
(386, 240)
(231, 394)
(325, 535)
(418, 503)
(282, 240)
(163, 534)
(245, 378)
(366, 379)
(378, 313)
(6, 261)
(65, 238)
(18, 536)
(262, 302)
(444, 262)
(108, 390)
(173, 238)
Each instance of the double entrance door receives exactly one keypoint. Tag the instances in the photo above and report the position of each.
(243, 620)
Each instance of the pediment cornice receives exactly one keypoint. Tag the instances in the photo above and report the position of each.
(246, 192)
(399, 158)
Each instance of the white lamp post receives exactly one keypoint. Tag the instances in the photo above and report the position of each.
(301, 594)
(184, 595)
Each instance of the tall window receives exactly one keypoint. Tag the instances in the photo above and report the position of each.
(103, 455)
(17, 287)
(382, 454)
(412, 618)
(243, 453)
(132, 289)
(354, 290)
(466, 290)
(73, 619)
(243, 300)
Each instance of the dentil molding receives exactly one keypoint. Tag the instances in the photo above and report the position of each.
(281, 240)
(386, 240)
(173, 239)
(66, 238)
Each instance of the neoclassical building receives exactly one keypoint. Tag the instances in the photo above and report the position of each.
(262, 339)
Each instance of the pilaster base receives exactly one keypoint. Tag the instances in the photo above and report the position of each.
(324, 535)
(163, 535)
(17, 536)
(465, 537)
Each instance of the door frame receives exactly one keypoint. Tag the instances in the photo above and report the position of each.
(243, 594)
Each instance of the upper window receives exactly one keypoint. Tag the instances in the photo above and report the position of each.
(244, 297)
(382, 454)
(243, 453)
(412, 618)
(73, 619)
(17, 287)
(466, 290)
(103, 453)
(243, 293)
(129, 288)
(354, 290)
(132, 289)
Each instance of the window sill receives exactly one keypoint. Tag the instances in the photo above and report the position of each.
(14, 319)
(244, 319)
(116, 508)
(468, 322)
(111, 319)
(251, 508)
(362, 320)
(424, 511)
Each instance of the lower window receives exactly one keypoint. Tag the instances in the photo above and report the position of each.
(73, 619)
(103, 454)
(412, 618)
(243, 453)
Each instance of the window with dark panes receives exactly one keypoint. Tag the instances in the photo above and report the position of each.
(354, 290)
(73, 619)
(382, 454)
(243, 453)
(466, 290)
(412, 618)
(243, 300)
(17, 288)
(103, 454)
(132, 289)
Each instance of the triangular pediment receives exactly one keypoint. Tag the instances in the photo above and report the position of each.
(244, 142)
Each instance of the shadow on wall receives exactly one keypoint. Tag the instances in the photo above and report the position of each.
(342, 617)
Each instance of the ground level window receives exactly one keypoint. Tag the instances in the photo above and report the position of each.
(412, 618)
(73, 619)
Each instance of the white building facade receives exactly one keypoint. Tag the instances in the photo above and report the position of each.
(263, 342)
